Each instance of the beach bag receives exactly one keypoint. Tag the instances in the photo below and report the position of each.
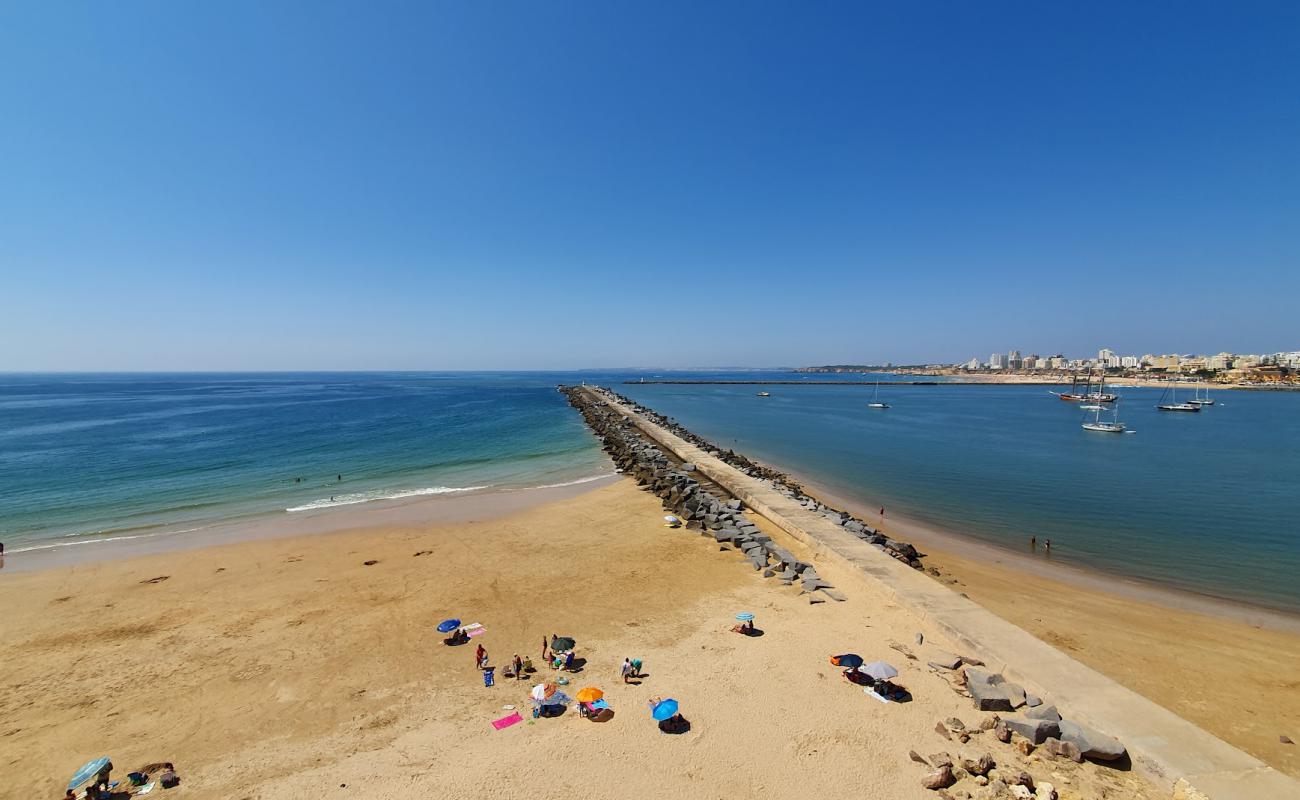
(488, 676)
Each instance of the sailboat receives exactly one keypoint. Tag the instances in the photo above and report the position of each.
(1198, 400)
(1073, 395)
(1101, 395)
(1096, 424)
(875, 402)
(1173, 404)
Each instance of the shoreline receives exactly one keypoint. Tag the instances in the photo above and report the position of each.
(1145, 673)
(940, 545)
(401, 511)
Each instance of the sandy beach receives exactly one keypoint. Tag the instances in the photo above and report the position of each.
(1228, 667)
(291, 667)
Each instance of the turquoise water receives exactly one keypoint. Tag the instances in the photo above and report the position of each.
(1208, 502)
(89, 457)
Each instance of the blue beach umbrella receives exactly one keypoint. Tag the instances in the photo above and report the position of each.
(847, 660)
(448, 625)
(87, 773)
(744, 616)
(664, 709)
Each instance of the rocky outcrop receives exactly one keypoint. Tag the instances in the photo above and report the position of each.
(1093, 744)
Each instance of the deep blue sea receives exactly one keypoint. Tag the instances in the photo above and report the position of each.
(1208, 502)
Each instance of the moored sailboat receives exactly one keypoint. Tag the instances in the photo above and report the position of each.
(1173, 404)
(1101, 426)
(875, 402)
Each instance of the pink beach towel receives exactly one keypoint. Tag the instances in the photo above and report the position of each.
(506, 722)
(477, 631)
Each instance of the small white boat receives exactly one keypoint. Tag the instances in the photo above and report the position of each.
(764, 394)
(1198, 400)
(875, 402)
(1091, 407)
(1101, 426)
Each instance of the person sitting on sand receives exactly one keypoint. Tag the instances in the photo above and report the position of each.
(568, 661)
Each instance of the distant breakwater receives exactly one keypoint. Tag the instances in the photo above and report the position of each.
(648, 463)
(706, 382)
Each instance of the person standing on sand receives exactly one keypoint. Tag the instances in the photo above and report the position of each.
(545, 650)
(480, 656)
(882, 512)
(627, 670)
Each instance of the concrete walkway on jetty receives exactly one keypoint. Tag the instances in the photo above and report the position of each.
(1168, 749)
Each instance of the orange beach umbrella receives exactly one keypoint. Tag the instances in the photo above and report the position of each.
(589, 694)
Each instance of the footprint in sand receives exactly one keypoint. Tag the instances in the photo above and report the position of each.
(424, 553)
(370, 563)
(158, 579)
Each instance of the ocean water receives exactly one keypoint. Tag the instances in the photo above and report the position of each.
(1208, 502)
(85, 458)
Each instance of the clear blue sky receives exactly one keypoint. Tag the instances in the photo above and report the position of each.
(548, 185)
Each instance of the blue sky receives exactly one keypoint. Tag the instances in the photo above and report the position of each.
(550, 185)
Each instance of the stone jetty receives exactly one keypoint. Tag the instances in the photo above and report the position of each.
(702, 507)
(647, 461)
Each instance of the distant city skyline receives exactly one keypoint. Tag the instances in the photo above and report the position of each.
(297, 186)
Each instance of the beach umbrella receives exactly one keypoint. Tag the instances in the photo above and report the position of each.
(589, 694)
(542, 691)
(745, 616)
(847, 660)
(448, 625)
(879, 670)
(664, 709)
(87, 773)
(563, 643)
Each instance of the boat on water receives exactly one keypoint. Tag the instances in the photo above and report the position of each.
(1173, 405)
(875, 401)
(1104, 426)
(764, 394)
(1202, 400)
(1074, 396)
(1099, 395)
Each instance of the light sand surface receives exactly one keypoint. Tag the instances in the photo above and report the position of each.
(1230, 668)
(289, 668)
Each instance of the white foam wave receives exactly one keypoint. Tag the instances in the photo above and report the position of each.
(574, 482)
(380, 494)
(91, 539)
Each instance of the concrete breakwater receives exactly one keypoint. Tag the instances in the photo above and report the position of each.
(1169, 750)
(699, 505)
(783, 483)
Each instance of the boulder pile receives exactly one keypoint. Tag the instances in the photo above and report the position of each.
(702, 509)
(900, 550)
(1042, 725)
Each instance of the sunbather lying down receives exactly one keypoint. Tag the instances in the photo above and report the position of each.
(744, 627)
